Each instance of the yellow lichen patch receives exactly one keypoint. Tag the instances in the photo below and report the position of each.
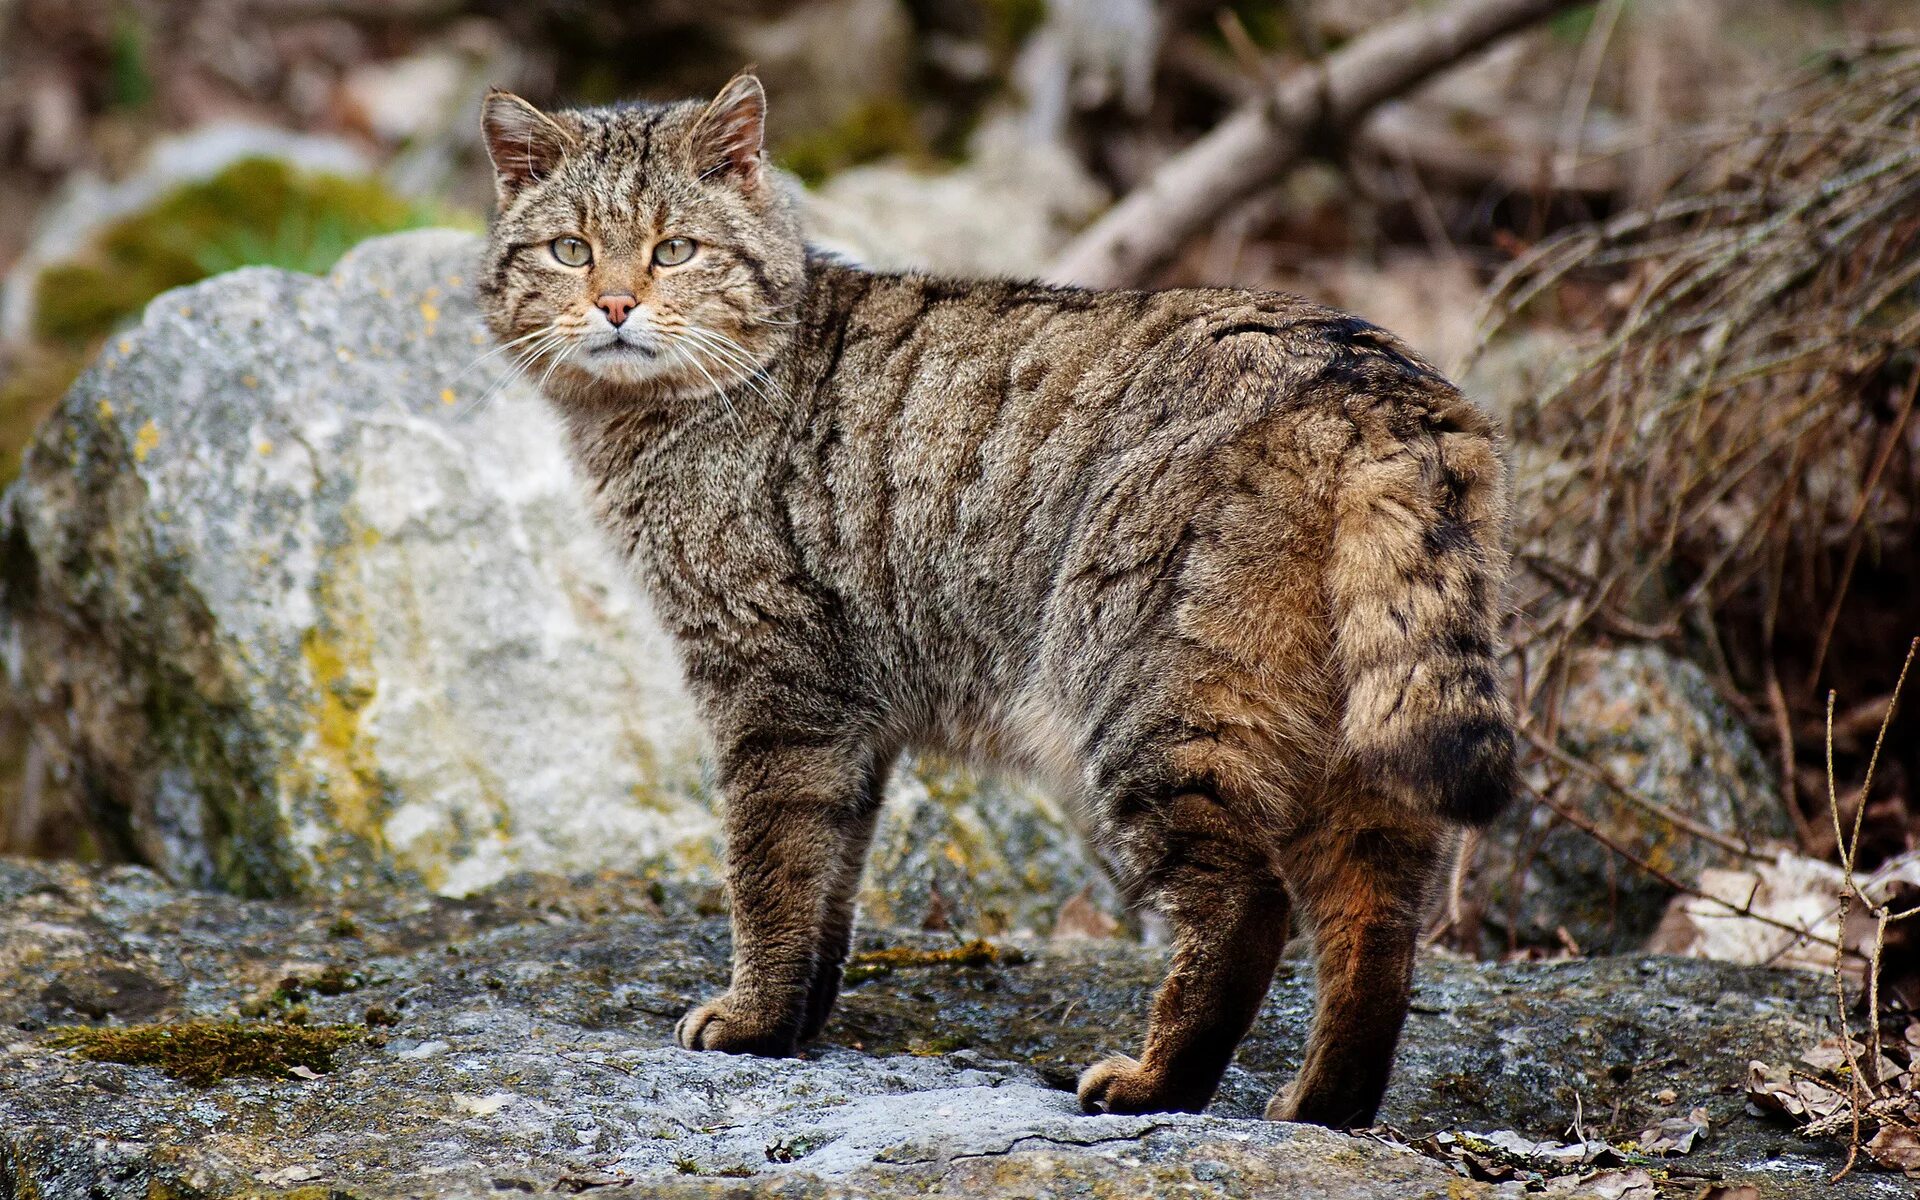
(205, 1052)
(336, 664)
(338, 770)
(446, 396)
(976, 953)
(250, 381)
(106, 410)
(429, 312)
(264, 447)
(145, 441)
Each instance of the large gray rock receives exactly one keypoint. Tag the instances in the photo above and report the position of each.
(1653, 724)
(522, 1043)
(301, 596)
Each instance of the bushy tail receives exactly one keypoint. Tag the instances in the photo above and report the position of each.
(1414, 584)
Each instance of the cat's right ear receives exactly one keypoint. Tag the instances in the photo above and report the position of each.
(524, 143)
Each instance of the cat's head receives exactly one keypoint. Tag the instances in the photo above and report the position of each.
(643, 245)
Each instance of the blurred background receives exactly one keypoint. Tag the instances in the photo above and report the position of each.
(144, 143)
(1669, 242)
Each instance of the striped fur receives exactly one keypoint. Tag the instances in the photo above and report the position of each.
(1222, 567)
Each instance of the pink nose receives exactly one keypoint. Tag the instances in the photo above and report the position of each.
(616, 308)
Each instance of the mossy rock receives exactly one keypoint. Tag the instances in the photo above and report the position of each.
(256, 212)
(880, 128)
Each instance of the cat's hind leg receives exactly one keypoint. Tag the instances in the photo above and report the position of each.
(1204, 868)
(1363, 890)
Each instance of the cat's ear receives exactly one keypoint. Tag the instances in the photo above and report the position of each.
(524, 143)
(729, 140)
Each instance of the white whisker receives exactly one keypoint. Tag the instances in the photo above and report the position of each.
(554, 338)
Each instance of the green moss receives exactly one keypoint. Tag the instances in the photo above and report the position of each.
(879, 128)
(977, 953)
(203, 1053)
(245, 831)
(256, 212)
(1572, 26)
(940, 1044)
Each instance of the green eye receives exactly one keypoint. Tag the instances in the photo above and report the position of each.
(572, 251)
(674, 251)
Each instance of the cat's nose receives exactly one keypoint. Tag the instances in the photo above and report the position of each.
(616, 308)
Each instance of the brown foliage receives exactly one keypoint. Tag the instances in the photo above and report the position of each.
(1738, 460)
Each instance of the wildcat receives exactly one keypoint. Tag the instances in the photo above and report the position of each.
(1221, 567)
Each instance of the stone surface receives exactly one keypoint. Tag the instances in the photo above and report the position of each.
(523, 1044)
(302, 596)
(1654, 724)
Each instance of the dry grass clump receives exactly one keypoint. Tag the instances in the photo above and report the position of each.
(1732, 464)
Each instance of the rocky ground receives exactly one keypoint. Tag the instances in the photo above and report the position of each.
(520, 1041)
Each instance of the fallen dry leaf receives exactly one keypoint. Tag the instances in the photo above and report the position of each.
(1778, 1090)
(1675, 1135)
(1896, 1148)
(1080, 918)
(1621, 1185)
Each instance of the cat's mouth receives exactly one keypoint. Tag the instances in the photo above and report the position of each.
(618, 349)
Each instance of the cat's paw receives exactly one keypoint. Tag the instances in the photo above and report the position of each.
(1281, 1107)
(727, 1025)
(1122, 1085)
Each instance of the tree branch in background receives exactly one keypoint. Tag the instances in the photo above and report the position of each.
(1251, 148)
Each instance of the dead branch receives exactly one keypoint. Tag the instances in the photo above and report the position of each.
(1311, 107)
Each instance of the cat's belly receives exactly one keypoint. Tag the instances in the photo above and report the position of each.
(1026, 736)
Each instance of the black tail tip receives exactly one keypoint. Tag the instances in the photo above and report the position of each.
(1469, 768)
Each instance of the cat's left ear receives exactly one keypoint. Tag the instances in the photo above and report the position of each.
(729, 140)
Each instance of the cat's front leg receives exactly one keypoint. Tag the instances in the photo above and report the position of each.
(793, 803)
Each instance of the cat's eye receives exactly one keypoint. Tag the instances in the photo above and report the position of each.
(674, 251)
(572, 251)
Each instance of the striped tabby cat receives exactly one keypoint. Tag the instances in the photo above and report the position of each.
(1222, 567)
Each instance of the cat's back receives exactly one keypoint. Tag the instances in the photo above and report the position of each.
(949, 355)
(971, 447)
